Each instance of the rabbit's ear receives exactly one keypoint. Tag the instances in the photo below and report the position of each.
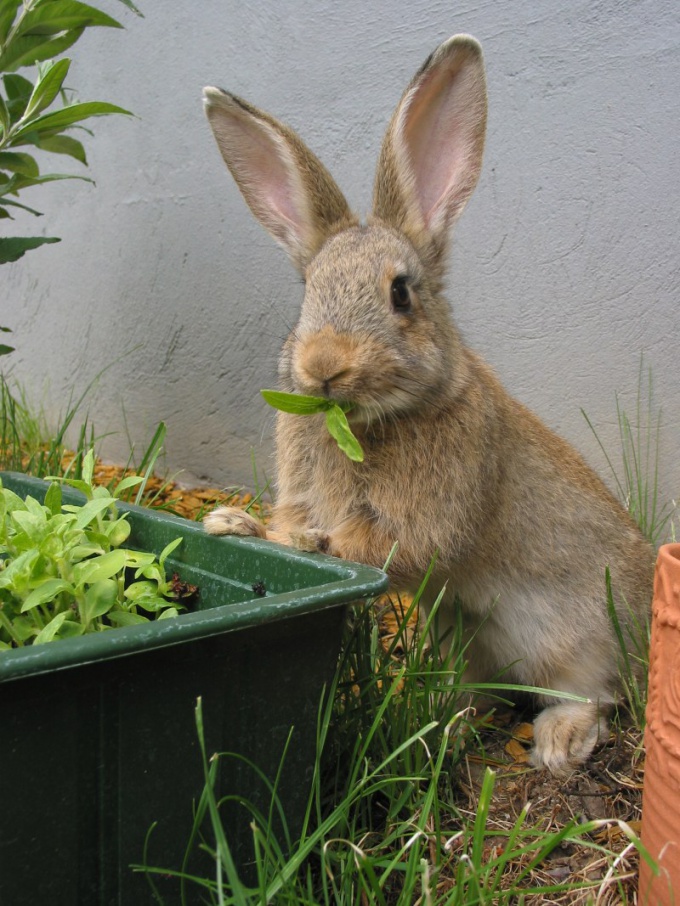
(286, 187)
(432, 153)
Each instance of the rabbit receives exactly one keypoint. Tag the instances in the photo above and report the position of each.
(522, 529)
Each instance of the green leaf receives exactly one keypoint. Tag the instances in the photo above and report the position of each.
(296, 403)
(130, 5)
(15, 204)
(140, 590)
(336, 420)
(8, 11)
(50, 631)
(46, 592)
(130, 482)
(5, 350)
(19, 182)
(72, 483)
(5, 120)
(62, 144)
(18, 89)
(167, 550)
(70, 628)
(67, 116)
(32, 524)
(154, 573)
(12, 249)
(19, 162)
(339, 429)
(83, 551)
(103, 567)
(87, 470)
(99, 598)
(139, 559)
(118, 532)
(89, 511)
(29, 49)
(63, 15)
(53, 498)
(152, 603)
(47, 87)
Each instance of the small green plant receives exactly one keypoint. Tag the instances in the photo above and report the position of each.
(336, 417)
(32, 34)
(63, 571)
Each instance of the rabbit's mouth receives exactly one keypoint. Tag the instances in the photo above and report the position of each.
(381, 407)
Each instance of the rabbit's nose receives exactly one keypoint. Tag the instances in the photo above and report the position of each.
(323, 362)
(324, 372)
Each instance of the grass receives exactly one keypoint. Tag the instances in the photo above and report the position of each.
(386, 821)
(28, 445)
(636, 478)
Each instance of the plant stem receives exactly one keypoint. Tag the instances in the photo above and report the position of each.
(10, 629)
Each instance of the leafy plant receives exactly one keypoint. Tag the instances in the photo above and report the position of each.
(336, 417)
(63, 571)
(32, 34)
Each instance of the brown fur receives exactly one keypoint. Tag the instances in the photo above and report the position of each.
(522, 528)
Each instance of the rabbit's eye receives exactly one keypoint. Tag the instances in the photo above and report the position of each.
(400, 294)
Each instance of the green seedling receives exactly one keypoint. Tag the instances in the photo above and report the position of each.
(336, 417)
(64, 572)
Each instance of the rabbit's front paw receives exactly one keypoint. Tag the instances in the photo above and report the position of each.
(313, 540)
(229, 520)
(565, 734)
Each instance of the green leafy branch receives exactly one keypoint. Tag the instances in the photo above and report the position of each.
(34, 33)
(63, 571)
(336, 417)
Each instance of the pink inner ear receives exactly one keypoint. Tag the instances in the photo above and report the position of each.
(277, 188)
(441, 131)
(259, 162)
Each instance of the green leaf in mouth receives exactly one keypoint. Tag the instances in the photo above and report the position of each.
(336, 418)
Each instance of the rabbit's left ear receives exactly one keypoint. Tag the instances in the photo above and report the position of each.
(432, 153)
(286, 186)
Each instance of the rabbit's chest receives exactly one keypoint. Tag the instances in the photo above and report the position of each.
(341, 490)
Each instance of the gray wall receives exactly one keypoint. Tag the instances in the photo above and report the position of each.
(565, 266)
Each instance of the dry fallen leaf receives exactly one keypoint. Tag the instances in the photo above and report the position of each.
(524, 732)
(517, 752)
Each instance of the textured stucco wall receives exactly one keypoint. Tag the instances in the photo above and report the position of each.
(565, 265)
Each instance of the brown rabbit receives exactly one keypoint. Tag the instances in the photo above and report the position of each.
(522, 528)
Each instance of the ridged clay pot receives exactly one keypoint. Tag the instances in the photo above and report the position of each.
(661, 794)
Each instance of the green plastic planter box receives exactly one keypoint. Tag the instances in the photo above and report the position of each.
(97, 734)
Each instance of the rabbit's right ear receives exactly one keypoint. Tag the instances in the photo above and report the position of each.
(286, 186)
(432, 153)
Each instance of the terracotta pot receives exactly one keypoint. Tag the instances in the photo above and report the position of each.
(661, 795)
